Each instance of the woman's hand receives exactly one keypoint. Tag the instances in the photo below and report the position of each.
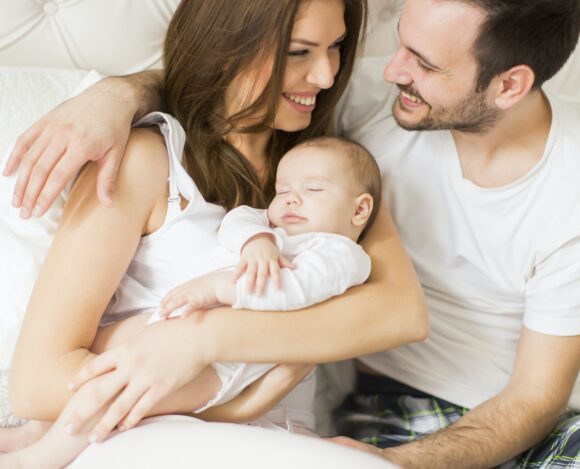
(137, 376)
(259, 260)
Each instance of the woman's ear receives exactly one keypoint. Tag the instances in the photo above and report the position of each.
(513, 85)
(363, 209)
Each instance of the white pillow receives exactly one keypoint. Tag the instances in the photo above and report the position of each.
(180, 442)
(25, 94)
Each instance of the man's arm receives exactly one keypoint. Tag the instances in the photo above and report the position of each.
(93, 126)
(516, 419)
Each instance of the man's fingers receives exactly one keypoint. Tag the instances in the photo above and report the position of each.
(350, 443)
(107, 176)
(97, 366)
(25, 169)
(40, 171)
(46, 181)
(20, 149)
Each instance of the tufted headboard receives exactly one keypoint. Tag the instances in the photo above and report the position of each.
(124, 36)
(110, 36)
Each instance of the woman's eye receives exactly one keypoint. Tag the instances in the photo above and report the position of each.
(314, 189)
(281, 192)
(298, 53)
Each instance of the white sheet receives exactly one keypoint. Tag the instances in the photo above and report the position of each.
(25, 94)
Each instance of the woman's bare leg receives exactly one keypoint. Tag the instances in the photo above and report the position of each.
(57, 447)
(14, 438)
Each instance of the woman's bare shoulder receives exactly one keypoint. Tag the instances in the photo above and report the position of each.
(145, 162)
(141, 180)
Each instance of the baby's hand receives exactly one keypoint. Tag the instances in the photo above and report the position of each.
(199, 293)
(260, 259)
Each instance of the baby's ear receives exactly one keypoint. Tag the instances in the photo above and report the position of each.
(363, 209)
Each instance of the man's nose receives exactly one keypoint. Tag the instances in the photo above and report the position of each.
(398, 70)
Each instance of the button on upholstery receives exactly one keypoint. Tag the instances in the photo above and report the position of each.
(50, 8)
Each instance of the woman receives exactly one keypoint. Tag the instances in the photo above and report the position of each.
(243, 99)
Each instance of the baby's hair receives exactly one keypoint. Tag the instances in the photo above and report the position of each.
(364, 168)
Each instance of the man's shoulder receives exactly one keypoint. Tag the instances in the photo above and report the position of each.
(566, 138)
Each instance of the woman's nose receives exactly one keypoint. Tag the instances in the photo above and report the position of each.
(322, 71)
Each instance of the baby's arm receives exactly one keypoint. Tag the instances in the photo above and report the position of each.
(327, 265)
(244, 230)
(260, 258)
(199, 293)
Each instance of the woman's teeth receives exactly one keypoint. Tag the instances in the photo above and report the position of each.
(304, 100)
(412, 98)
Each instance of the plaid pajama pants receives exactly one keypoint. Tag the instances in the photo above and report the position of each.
(386, 413)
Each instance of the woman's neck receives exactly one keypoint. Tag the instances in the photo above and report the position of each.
(253, 147)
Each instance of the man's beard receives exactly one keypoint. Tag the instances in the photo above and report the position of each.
(471, 115)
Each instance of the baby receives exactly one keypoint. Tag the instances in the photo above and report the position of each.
(327, 193)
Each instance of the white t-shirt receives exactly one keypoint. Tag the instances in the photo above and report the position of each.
(489, 260)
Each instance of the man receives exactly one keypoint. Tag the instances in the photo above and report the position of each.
(485, 193)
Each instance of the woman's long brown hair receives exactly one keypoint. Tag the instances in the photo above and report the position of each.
(208, 44)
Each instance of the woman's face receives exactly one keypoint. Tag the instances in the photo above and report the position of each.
(313, 62)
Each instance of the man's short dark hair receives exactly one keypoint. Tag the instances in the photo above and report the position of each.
(541, 34)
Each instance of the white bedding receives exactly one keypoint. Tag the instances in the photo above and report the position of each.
(25, 94)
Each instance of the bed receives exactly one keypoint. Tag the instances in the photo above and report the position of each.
(51, 49)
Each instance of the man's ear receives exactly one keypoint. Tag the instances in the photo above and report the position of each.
(363, 209)
(513, 85)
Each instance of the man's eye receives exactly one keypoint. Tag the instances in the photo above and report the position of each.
(424, 67)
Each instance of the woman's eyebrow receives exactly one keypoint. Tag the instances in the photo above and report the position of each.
(306, 42)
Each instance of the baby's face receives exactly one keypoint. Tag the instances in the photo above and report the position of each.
(314, 192)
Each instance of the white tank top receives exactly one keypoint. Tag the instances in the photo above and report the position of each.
(181, 248)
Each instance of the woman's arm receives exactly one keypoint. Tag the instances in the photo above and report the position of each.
(387, 312)
(93, 126)
(90, 252)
